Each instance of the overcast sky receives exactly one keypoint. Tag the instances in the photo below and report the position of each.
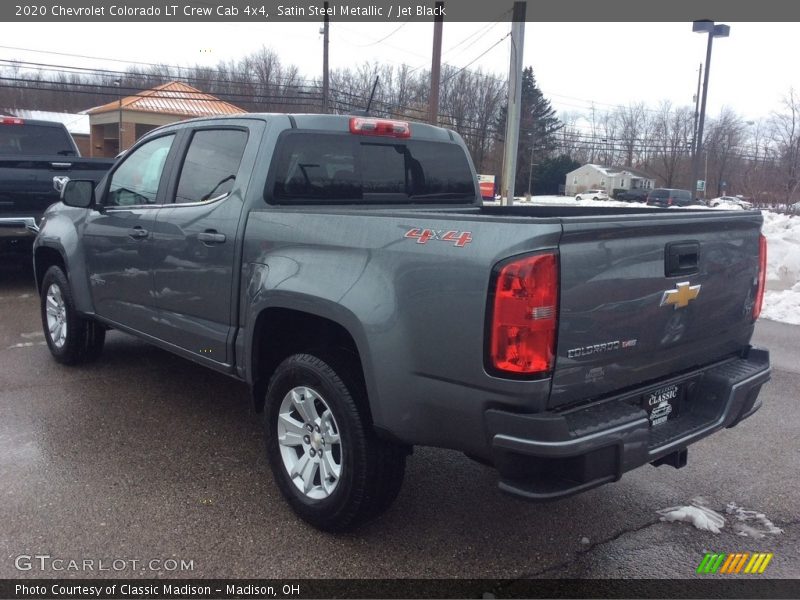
(575, 63)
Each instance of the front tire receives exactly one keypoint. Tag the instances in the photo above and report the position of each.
(578, 198)
(325, 457)
(72, 339)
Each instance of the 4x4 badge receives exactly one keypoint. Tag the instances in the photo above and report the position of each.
(681, 295)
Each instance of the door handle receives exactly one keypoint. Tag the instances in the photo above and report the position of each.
(211, 236)
(138, 233)
(681, 259)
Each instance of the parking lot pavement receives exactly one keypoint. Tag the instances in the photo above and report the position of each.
(145, 456)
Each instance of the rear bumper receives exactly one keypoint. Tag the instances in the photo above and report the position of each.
(17, 234)
(552, 455)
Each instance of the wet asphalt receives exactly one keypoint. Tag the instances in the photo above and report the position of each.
(145, 456)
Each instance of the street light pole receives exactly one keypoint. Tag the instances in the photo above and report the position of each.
(713, 31)
(118, 83)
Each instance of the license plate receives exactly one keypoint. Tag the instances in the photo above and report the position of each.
(662, 404)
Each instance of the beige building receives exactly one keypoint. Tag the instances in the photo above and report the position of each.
(117, 125)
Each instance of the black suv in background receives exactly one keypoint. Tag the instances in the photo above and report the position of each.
(669, 197)
(634, 195)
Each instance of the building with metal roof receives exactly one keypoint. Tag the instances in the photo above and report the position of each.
(117, 125)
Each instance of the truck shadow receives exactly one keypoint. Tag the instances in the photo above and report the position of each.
(16, 279)
(142, 429)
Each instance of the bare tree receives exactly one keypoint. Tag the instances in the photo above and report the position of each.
(786, 134)
(672, 130)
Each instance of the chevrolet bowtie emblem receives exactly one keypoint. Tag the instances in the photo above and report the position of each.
(681, 296)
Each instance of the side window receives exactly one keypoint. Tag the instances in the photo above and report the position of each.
(136, 180)
(209, 170)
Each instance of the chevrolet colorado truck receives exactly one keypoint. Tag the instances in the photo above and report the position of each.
(35, 158)
(347, 270)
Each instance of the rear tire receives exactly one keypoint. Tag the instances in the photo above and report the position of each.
(578, 198)
(72, 339)
(337, 474)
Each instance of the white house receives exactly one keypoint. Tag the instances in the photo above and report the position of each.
(600, 177)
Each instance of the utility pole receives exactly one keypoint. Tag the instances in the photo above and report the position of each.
(436, 65)
(713, 30)
(696, 110)
(325, 83)
(118, 84)
(514, 104)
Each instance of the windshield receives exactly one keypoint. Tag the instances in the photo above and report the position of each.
(322, 167)
(35, 139)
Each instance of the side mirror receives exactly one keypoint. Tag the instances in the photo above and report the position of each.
(78, 193)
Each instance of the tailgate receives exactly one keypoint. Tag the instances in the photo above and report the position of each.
(26, 182)
(649, 296)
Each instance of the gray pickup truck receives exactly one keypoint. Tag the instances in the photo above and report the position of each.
(35, 156)
(346, 269)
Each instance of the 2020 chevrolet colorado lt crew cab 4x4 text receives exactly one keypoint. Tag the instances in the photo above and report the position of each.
(346, 269)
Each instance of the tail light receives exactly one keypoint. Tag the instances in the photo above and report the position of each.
(524, 316)
(669, 201)
(385, 127)
(762, 276)
(11, 121)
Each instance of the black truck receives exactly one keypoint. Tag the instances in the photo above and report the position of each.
(36, 158)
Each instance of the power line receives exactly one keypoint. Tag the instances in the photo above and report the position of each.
(489, 49)
(385, 37)
(485, 29)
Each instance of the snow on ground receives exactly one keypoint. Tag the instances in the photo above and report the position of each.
(744, 522)
(782, 299)
(702, 517)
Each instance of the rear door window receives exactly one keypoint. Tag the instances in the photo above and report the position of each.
(342, 168)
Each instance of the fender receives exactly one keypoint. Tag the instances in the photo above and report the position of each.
(59, 231)
(282, 285)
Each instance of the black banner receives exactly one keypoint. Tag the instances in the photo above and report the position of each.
(260, 11)
(201, 589)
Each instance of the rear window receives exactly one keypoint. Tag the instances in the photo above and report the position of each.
(322, 167)
(682, 194)
(35, 139)
(659, 194)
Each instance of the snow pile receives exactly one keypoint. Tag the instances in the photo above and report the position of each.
(702, 517)
(747, 523)
(782, 299)
(783, 247)
(750, 523)
(783, 306)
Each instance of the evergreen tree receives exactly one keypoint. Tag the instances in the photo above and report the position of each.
(551, 173)
(537, 128)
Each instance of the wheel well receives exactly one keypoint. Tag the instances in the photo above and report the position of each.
(281, 332)
(44, 259)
